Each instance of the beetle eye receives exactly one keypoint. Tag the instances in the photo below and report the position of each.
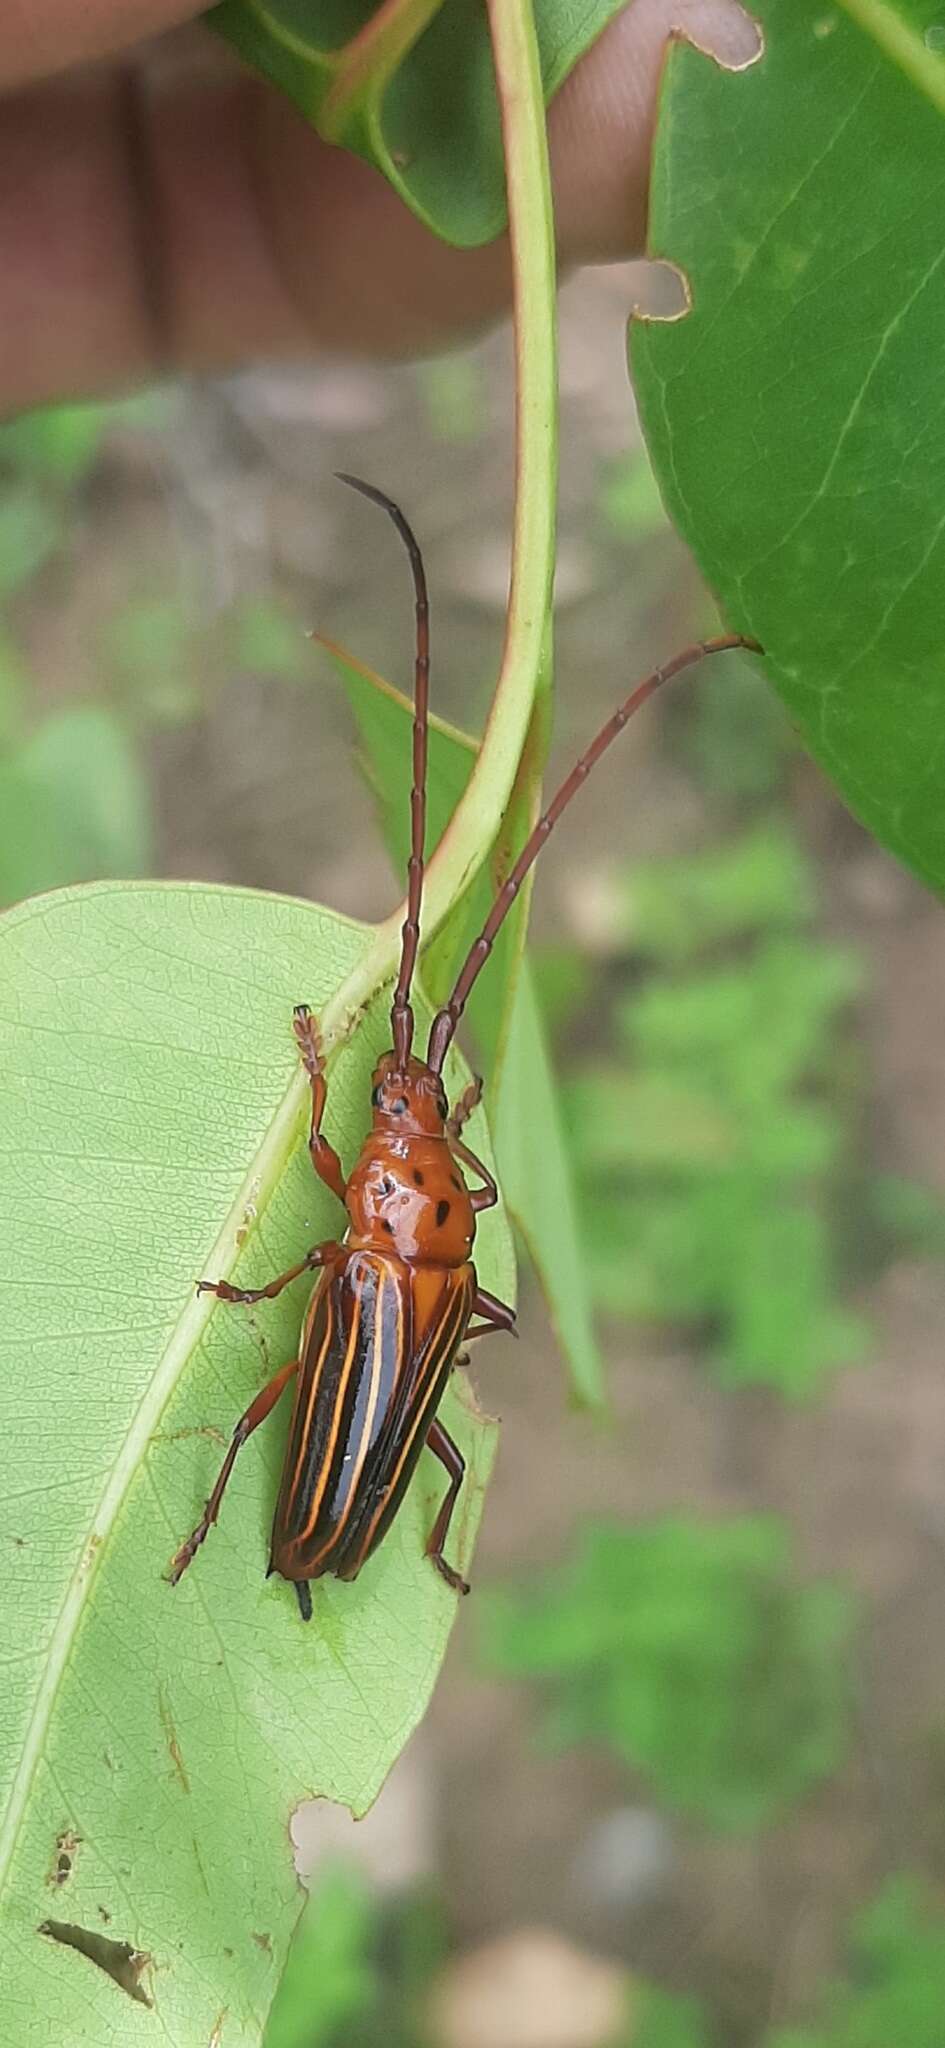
(442, 1105)
(398, 1107)
(377, 1096)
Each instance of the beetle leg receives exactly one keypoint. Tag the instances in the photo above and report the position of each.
(481, 1198)
(320, 1255)
(498, 1315)
(449, 1455)
(485, 1197)
(323, 1156)
(463, 1109)
(255, 1414)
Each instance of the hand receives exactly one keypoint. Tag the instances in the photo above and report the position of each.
(161, 210)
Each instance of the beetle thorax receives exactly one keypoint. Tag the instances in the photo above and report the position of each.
(407, 1195)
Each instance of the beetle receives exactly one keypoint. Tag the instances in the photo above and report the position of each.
(396, 1296)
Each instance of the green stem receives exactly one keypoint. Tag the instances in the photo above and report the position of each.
(369, 61)
(920, 62)
(476, 820)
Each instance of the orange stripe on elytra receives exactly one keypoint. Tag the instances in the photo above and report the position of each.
(441, 1341)
(303, 1426)
(350, 1355)
(333, 1540)
(376, 1366)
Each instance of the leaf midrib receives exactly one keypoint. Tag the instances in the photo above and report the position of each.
(257, 1185)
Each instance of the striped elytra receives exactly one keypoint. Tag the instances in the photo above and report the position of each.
(397, 1297)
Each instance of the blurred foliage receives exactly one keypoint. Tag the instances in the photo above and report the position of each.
(74, 803)
(359, 1973)
(896, 1998)
(147, 655)
(629, 499)
(61, 444)
(264, 639)
(359, 1969)
(74, 799)
(737, 738)
(330, 1979)
(453, 393)
(662, 2020)
(670, 911)
(910, 1218)
(30, 532)
(710, 1142)
(685, 1648)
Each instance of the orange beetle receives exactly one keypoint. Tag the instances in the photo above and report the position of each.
(395, 1299)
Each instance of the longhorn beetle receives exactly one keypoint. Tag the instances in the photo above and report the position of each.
(395, 1296)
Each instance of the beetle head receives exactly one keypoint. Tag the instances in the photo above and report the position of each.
(407, 1099)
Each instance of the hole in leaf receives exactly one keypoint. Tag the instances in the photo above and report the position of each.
(731, 36)
(659, 291)
(122, 1963)
(64, 1857)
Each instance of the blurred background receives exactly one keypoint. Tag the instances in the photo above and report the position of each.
(681, 1784)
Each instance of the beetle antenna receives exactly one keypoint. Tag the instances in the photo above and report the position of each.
(401, 1016)
(445, 1022)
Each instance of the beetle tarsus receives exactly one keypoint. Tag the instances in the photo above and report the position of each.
(453, 1578)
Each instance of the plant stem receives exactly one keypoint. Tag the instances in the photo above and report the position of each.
(370, 59)
(478, 815)
(476, 820)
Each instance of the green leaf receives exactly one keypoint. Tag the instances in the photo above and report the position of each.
(535, 1170)
(538, 1185)
(148, 1138)
(793, 417)
(685, 1648)
(420, 103)
(73, 805)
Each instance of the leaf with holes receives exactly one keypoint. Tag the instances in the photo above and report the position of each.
(409, 87)
(795, 414)
(154, 1742)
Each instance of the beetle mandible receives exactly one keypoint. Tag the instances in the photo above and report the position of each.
(396, 1296)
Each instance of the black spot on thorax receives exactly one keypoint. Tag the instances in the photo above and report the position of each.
(442, 1211)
